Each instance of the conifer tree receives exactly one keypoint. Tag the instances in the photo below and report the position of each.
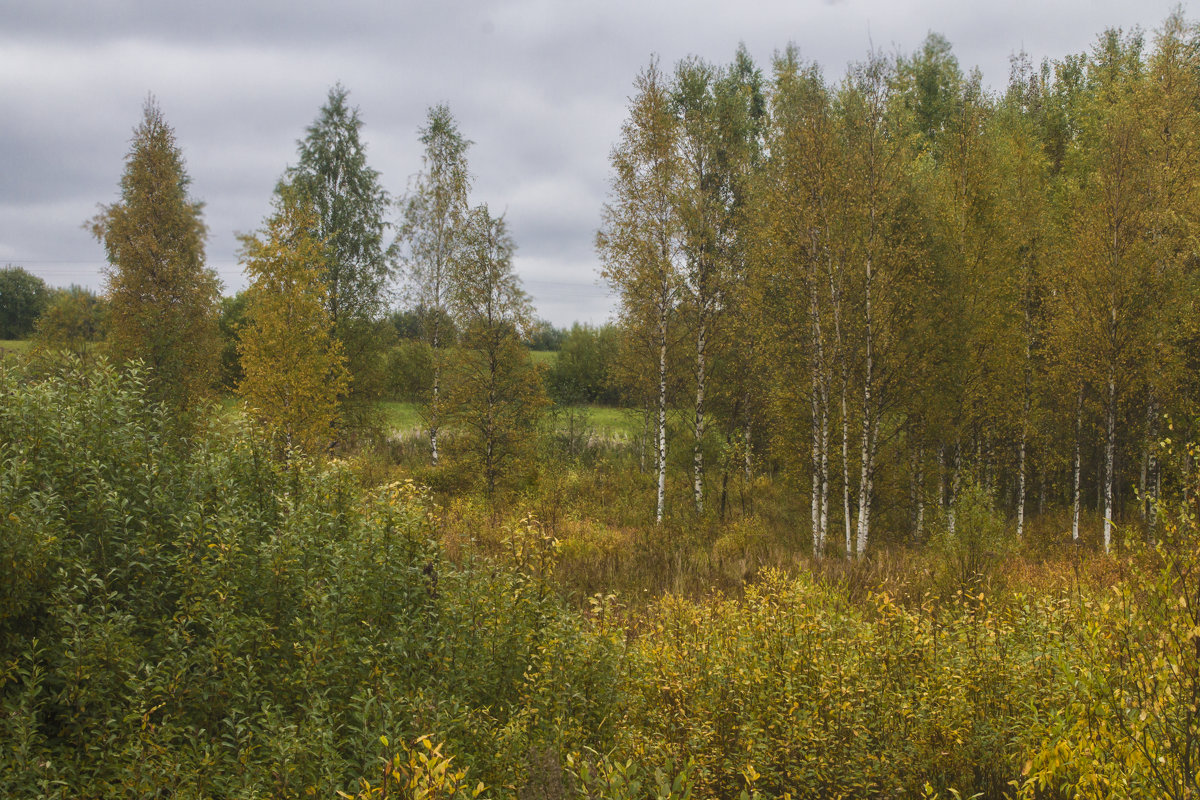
(162, 298)
(350, 206)
(294, 370)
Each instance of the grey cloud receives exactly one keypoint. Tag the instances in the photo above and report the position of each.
(541, 86)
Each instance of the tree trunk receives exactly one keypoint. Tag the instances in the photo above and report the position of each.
(662, 412)
(1078, 427)
(1021, 472)
(698, 426)
(820, 430)
(815, 466)
(955, 480)
(435, 399)
(1110, 443)
(918, 492)
(1153, 481)
(747, 454)
(1041, 491)
(868, 433)
(941, 489)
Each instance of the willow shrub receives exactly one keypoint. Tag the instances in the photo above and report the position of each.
(792, 690)
(1132, 727)
(194, 619)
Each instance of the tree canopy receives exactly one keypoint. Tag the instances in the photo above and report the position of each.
(162, 298)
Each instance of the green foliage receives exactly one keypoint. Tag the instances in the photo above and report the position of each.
(967, 558)
(196, 619)
(350, 208)
(233, 316)
(23, 297)
(493, 393)
(74, 320)
(409, 371)
(583, 371)
(542, 335)
(494, 398)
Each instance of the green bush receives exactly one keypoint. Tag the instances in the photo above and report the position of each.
(192, 618)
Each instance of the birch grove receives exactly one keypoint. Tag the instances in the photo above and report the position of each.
(915, 285)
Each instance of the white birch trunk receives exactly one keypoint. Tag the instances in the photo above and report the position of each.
(839, 356)
(941, 489)
(865, 477)
(1153, 481)
(1021, 487)
(820, 429)
(846, 468)
(1078, 426)
(662, 411)
(1110, 442)
(824, 465)
(918, 492)
(433, 412)
(698, 427)
(815, 464)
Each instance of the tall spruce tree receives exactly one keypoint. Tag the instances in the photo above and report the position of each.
(162, 299)
(350, 207)
(434, 215)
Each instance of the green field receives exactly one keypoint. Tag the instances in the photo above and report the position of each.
(612, 423)
(13, 346)
(401, 417)
(547, 357)
(609, 422)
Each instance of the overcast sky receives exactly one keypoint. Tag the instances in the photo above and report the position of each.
(539, 86)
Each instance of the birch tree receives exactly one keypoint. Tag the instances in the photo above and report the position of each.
(874, 185)
(715, 143)
(1024, 208)
(639, 238)
(494, 394)
(1107, 213)
(434, 215)
(294, 370)
(1172, 118)
(797, 277)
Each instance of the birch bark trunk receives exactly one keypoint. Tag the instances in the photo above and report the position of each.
(698, 427)
(1110, 442)
(662, 410)
(1078, 445)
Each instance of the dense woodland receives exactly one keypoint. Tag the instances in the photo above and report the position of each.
(882, 483)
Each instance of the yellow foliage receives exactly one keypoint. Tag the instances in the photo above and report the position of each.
(294, 370)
